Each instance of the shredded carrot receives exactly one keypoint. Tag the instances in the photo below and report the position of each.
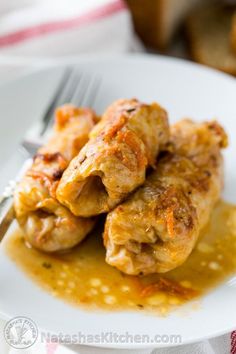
(46, 180)
(129, 138)
(168, 286)
(115, 126)
(170, 222)
(51, 157)
(64, 113)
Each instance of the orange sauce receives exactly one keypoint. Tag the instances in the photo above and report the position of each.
(82, 277)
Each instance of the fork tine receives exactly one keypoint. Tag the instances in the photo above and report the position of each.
(50, 109)
(86, 91)
(63, 96)
(69, 87)
(73, 87)
(92, 92)
(80, 91)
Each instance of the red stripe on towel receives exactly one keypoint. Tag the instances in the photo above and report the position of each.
(50, 27)
(233, 342)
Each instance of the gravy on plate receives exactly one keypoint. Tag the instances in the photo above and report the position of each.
(82, 277)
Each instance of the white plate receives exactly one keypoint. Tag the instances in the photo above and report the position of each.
(185, 89)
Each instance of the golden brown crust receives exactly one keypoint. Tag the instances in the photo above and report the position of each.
(48, 225)
(113, 163)
(156, 229)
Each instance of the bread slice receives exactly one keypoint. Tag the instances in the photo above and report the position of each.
(156, 21)
(233, 34)
(210, 37)
(170, 15)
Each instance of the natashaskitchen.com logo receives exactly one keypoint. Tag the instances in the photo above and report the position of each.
(20, 332)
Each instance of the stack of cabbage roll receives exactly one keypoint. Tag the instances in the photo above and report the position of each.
(157, 184)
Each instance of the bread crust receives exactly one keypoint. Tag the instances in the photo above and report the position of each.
(233, 34)
(210, 37)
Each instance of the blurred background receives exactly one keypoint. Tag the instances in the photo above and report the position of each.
(201, 30)
(34, 32)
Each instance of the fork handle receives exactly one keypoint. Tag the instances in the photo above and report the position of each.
(7, 215)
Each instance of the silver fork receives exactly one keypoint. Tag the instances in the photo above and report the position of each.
(74, 87)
